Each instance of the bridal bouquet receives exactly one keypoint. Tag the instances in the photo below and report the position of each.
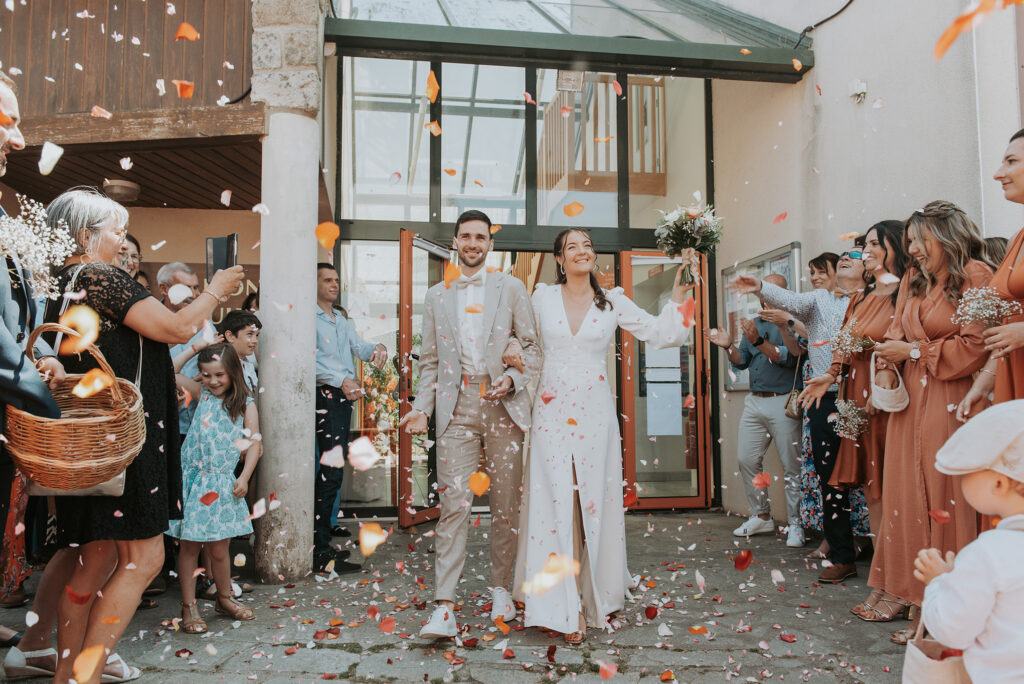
(36, 245)
(848, 343)
(984, 305)
(688, 233)
(849, 420)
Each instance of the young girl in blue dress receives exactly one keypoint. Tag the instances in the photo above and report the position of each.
(224, 430)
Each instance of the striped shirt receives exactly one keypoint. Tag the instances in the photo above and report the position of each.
(822, 313)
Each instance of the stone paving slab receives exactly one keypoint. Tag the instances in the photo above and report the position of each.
(744, 612)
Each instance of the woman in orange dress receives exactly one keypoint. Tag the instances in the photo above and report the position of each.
(1003, 375)
(938, 359)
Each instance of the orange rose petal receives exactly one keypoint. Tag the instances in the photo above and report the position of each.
(4, 119)
(499, 622)
(450, 172)
(452, 272)
(687, 309)
(797, 64)
(607, 670)
(573, 209)
(87, 661)
(100, 112)
(208, 498)
(699, 629)
(115, 620)
(185, 88)
(85, 322)
(92, 382)
(186, 32)
(781, 217)
(743, 560)
(327, 233)
(479, 482)
(476, 182)
(603, 140)
(690, 401)
(744, 51)
(475, 308)
(435, 128)
(617, 87)
(495, 228)
(529, 98)
(571, 421)
(762, 480)
(433, 87)
(940, 516)
(668, 676)
(370, 537)
(75, 597)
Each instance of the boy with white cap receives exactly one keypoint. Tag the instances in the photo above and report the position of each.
(977, 603)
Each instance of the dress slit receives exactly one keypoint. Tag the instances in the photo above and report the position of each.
(581, 553)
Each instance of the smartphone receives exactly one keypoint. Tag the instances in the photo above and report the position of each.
(221, 253)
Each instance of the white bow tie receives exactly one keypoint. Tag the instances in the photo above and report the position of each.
(475, 279)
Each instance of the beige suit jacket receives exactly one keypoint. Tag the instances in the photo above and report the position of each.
(508, 312)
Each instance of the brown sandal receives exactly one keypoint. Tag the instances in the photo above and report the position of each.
(865, 607)
(904, 635)
(891, 608)
(191, 621)
(578, 637)
(236, 611)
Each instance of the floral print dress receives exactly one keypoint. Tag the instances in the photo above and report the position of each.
(208, 460)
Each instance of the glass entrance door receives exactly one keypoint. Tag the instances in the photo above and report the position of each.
(664, 397)
(422, 267)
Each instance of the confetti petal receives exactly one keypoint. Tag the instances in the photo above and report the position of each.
(178, 293)
(75, 597)
(607, 670)
(780, 218)
(433, 87)
(370, 537)
(87, 661)
(452, 272)
(208, 498)
(762, 480)
(797, 64)
(100, 112)
(185, 88)
(744, 51)
(48, 157)
(225, 198)
(555, 570)
(479, 482)
(743, 559)
(617, 87)
(94, 381)
(940, 516)
(85, 322)
(327, 233)
(688, 310)
(186, 32)
(435, 128)
(573, 209)
(362, 455)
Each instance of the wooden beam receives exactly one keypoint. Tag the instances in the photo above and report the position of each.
(146, 125)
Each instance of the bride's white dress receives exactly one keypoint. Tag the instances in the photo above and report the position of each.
(575, 427)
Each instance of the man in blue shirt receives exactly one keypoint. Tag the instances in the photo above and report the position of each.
(337, 390)
(774, 372)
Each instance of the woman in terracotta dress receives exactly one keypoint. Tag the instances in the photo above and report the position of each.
(938, 359)
(1003, 375)
(859, 461)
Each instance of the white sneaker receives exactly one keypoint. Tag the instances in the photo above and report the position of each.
(502, 605)
(755, 526)
(441, 625)
(796, 537)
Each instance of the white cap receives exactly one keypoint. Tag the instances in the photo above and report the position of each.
(991, 440)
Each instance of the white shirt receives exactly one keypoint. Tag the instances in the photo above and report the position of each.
(979, 606)
(471, 325)
(249, 372)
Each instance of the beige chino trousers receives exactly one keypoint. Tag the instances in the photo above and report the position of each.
(481, 435)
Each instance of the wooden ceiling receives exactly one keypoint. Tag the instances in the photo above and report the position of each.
(176, 173)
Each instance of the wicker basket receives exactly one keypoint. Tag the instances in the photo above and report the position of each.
(94, 439)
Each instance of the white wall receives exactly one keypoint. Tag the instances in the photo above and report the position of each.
(927, 130)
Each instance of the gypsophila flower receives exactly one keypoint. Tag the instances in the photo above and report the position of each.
(849, 420)
(984, 305)
(36, 245)
(848, 343)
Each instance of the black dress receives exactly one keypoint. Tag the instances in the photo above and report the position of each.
(152, 491)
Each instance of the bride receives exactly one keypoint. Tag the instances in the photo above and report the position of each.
(572, 494)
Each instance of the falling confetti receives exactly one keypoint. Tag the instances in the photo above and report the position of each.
(4, 119)
(797, 64)
(495, 228)
(48, 157)
(362, 455)
(333, 458)
(450, 172)
(617, 87)
(100, 112)
(529, 99)
(573, 209)
(126, 163)
(395, 178)
(744, 51)
(85, 322)
(435, 128)
(479, 482)
(370, 537)
(158, 245)
(688, 309)
(848, 236)
(87, 661)
(75, 597)
(780, 218)
(185, 88)
(178, 293)
(762, 480)
(327, 233)
(475, 309)
(225, 198)
(208, 498)
(186, 32)
(607, 670)
(261, 209)
(969, 18)
(940, 516)
(433, 87)
(452, 272)
(94, 381)
(239, 560)
(743, 559)
(556, 569)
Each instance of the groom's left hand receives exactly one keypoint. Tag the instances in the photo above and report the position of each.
(499, 389)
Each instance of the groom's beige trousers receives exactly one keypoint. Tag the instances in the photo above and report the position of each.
(481, 433)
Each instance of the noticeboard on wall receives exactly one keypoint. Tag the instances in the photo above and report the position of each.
(786, 262)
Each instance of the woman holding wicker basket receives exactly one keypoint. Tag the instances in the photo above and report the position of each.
(116, 540)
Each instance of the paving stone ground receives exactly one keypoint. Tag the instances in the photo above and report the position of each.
(746, 615)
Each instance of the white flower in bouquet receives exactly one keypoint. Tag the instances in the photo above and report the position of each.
(849, 420)
(36, 245)
(689, 232)
(984, 305)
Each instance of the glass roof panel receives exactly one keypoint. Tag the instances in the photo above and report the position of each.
(699, 21)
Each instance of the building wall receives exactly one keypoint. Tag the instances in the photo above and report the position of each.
(926, 130)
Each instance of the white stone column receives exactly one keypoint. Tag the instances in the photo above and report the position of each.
(287, 56)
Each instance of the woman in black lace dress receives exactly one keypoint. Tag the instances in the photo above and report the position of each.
(118, 539)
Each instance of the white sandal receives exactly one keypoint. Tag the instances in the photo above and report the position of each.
(16, 663)
(128, 673)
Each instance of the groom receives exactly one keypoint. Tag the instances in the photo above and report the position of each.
(482, 411)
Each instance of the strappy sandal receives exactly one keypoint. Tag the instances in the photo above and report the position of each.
(864, 607)
(127, 672)
(236, 611)
(901, 637)
(577, 638)
(191, 621)
(892, 608)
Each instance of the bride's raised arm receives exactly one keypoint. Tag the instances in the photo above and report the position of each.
(661, 331)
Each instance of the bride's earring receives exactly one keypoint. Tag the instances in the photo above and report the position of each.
(561, 271)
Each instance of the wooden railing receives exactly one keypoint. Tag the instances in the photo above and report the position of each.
(578, 148)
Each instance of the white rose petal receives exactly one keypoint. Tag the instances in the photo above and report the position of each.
(225, 198)
(126, 163)
(179, 293)
(362, 455)
(48, 157)
(261, 209)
